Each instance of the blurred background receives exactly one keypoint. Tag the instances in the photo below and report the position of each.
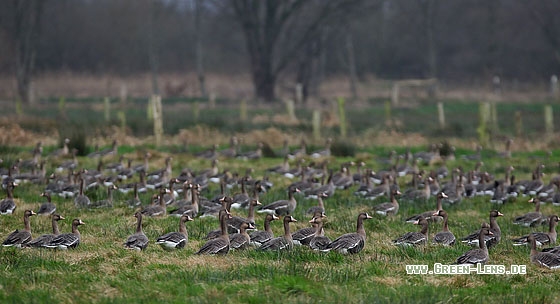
(483, 70)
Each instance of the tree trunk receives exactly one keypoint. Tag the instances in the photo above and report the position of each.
(153, 46)
(265, 82)
(351, 64)
(198, 48)
(27, 26)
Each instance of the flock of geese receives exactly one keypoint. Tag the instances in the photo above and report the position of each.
(180, 196)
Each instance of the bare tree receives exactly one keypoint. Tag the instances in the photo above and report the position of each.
(153, 44)
(27, 19)
(277, 31)
(351, 64)
(545, 14)
(198, 9)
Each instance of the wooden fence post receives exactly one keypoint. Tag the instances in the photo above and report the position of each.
(158, 119)
(316, 121)
(388, 118)
(554, 87)
(395, 94)
(299, 93)
(243, 110)
(441, 115)
(212, 100)
(121, 115)
(342, 116)
(62, 107)
(290, 108)
(123, 93)
(518, 124)
(548, 120)
(107, 108)
(484, 117)
(196, 111)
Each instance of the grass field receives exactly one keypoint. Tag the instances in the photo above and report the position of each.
(413, 115)
(101, 270)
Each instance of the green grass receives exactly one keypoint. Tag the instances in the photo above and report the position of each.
(461, 117)
(101, 270)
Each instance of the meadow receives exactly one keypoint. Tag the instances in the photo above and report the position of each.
(101, 270)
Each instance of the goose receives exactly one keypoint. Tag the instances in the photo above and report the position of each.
(159, 209)
(230, 152)
(70, 164)
(344, 180)
(284, 242)
(138, 240)
(359, 175)
(326, 152)
(48, 207)
(303, 236)
(109, 151)
(444, 237)
(299, 153)
(20, 237)
(351, 243)
(319, 241)
(221, 244)
(320, 208)
(241, 200)
(116, 166)
(81, 200)
(389, 208)
(543, 259)
(145, 166)
(474, 157)
(162, 172)
(194, 207)
(176, 240)
(282, 207)
(365, 185)
(186, 194)
(45, 239)
(212, 174)
(105, 203)
(531, 219)
(491, 240)
(429, 215)
(507, 152)
(477, 255)
(420, 194)
(456, 196)
(209, 154)
(235, 222)
(414, 238)
(67, 240)
(328, 188)
(383, 189)
(500, 195)
(241, 240)
(252, 155)
(36, 157)
(8, 205)
(262, 236)
(128, 172)
(523, 185)
(535, 186)
(283, 168)
(135, 200)
(541, 238)
(62, 151)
